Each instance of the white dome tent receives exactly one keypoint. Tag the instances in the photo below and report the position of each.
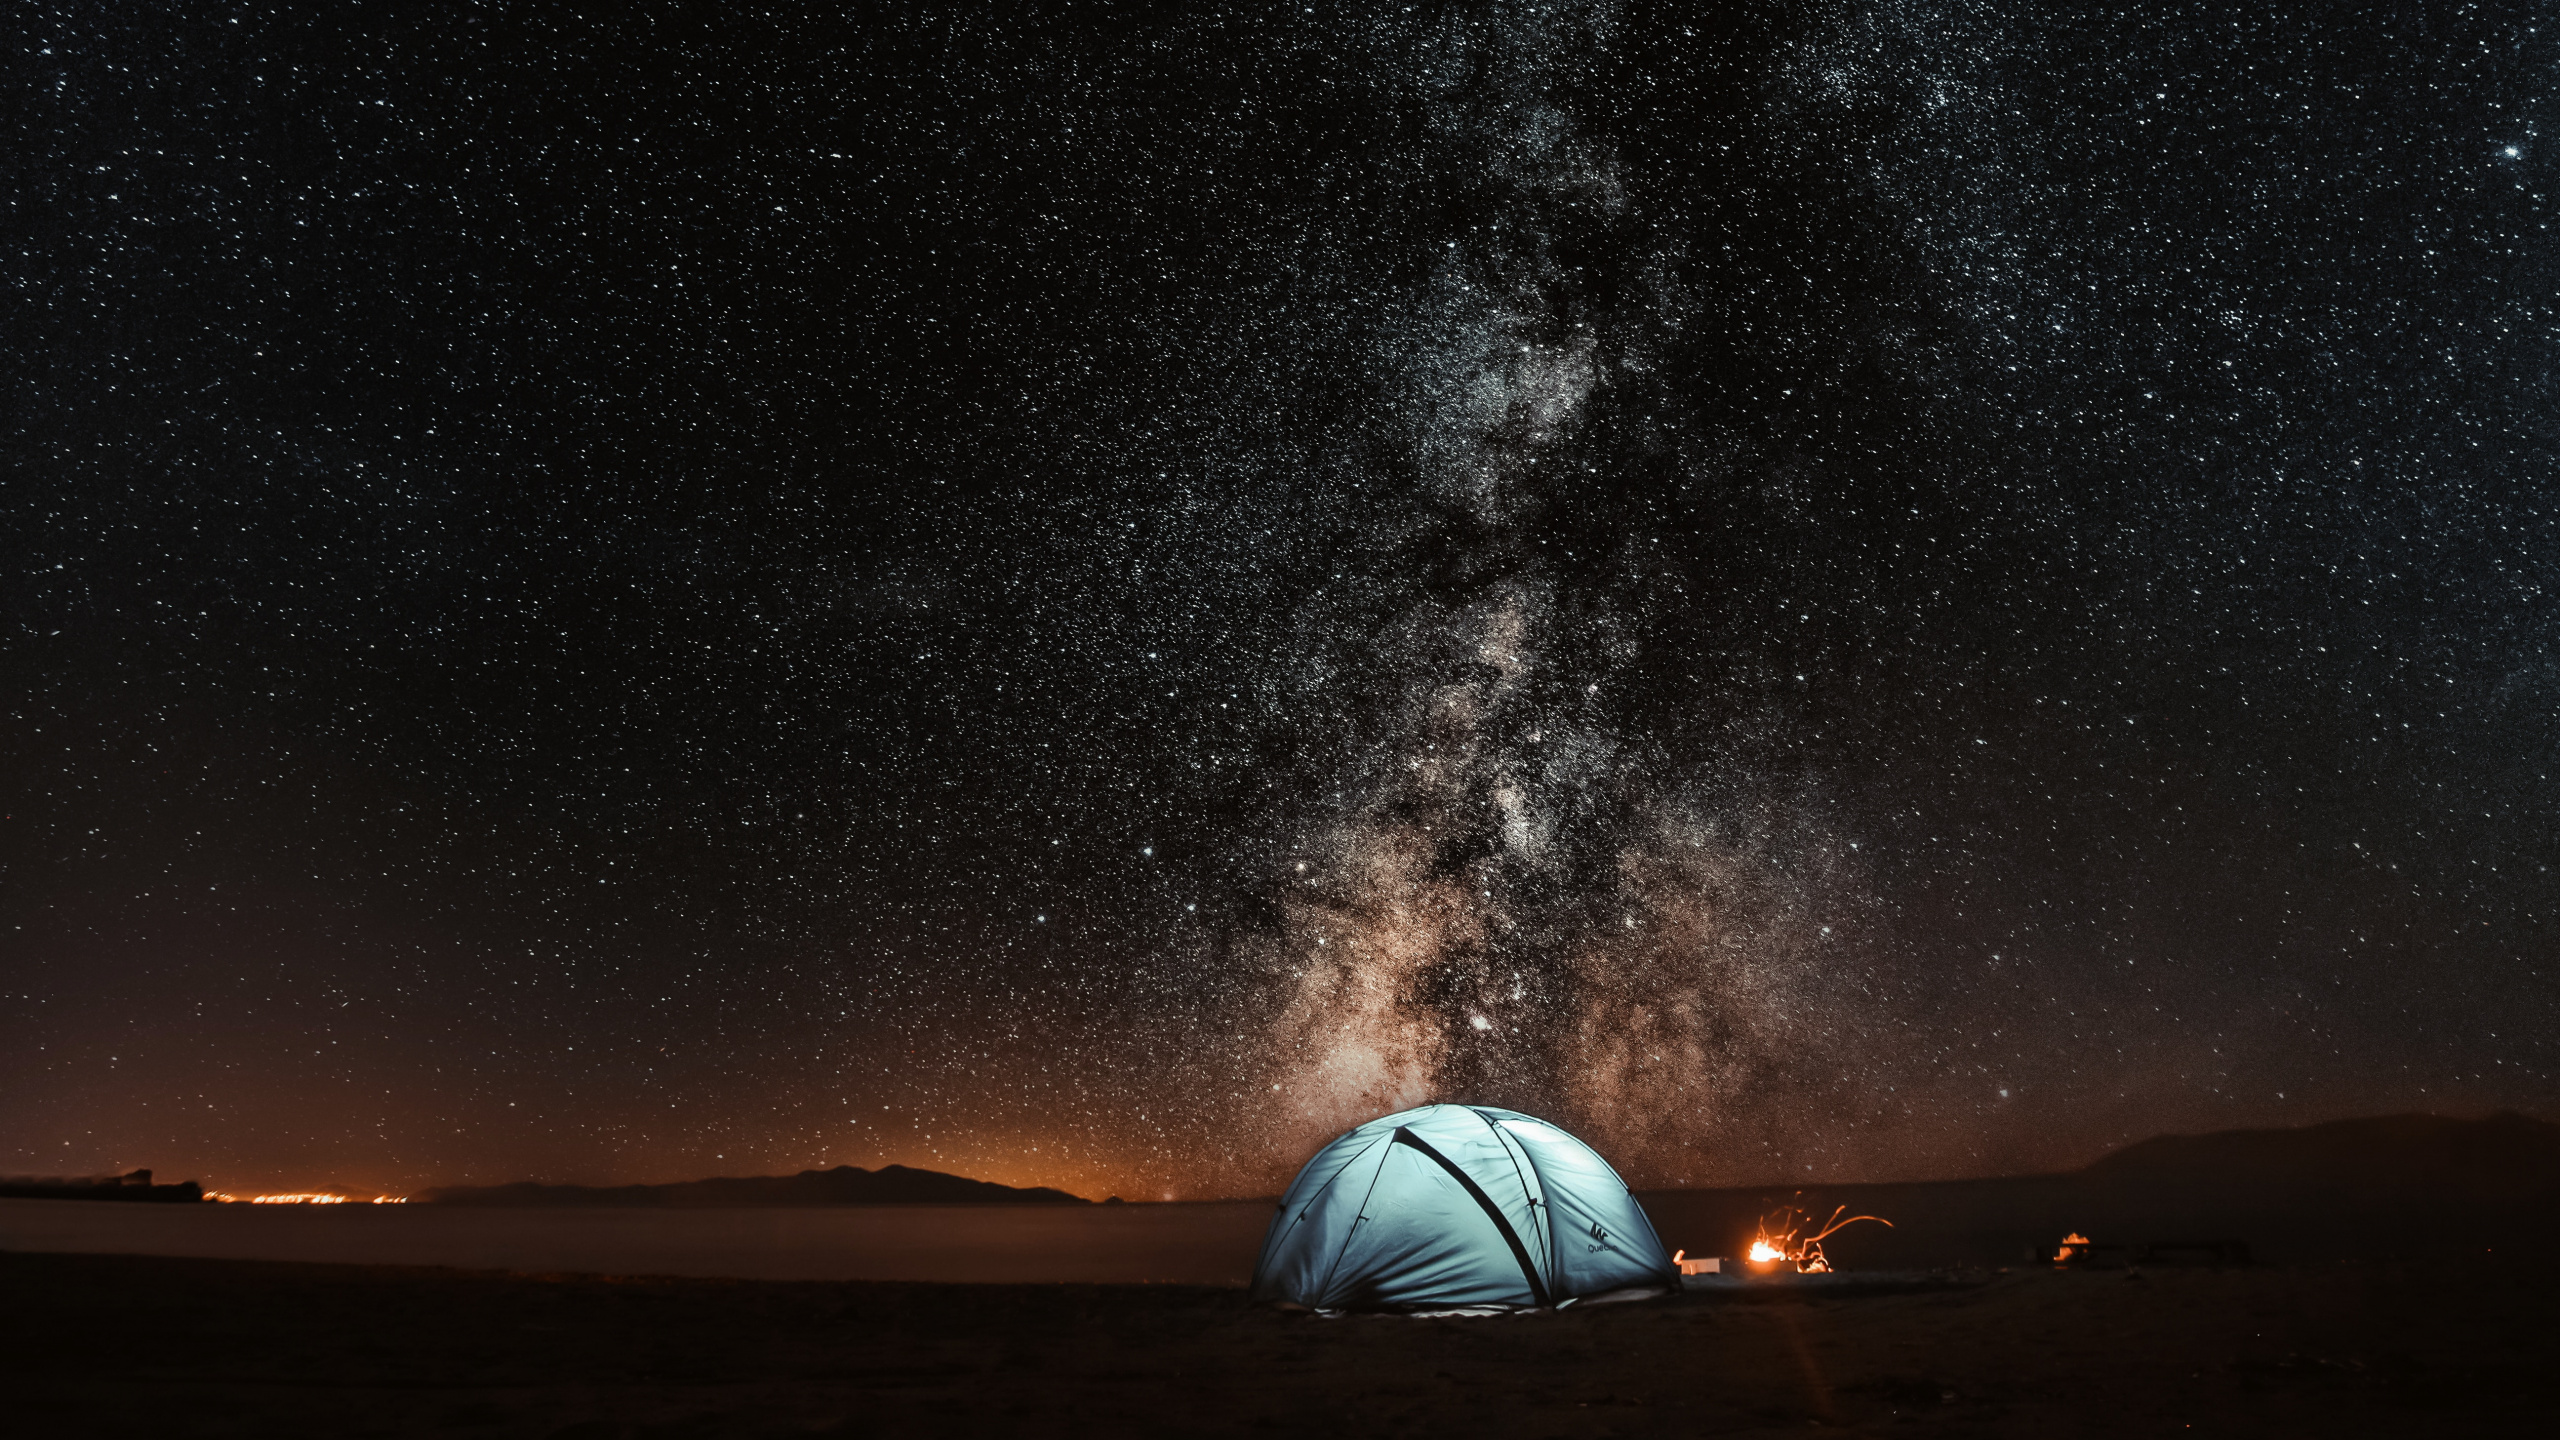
(1458, 1206)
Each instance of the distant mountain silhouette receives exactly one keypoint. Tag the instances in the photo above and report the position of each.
(2387, 1186)
(844, 1185)
(2505, 1156)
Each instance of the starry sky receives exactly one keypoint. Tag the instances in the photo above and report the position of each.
(1088, 594)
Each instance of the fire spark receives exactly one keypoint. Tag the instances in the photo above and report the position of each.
(1782, 1241)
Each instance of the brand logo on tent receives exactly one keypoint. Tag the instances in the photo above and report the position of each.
(1599, 1239)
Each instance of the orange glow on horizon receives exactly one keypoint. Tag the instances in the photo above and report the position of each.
(304, 1197)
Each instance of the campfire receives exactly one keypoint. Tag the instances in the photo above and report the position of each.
(1782, 1240)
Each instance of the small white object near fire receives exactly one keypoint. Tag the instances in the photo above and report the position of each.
(1702, 1265)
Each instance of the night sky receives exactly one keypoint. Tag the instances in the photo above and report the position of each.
(1088, 594)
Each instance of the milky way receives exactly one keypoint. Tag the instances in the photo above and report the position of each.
(1087, 594)
(1508, 897)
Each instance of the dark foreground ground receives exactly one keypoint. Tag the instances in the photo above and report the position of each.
(131, 1345)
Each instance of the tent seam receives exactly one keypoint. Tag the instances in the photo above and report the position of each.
(1387, 1147)
(1537, 1202)
(1553, 1249)
(1280, 1234)
(1336, 1175)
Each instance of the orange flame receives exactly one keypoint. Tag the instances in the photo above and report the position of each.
(2071, 1245)
(1804, 1253)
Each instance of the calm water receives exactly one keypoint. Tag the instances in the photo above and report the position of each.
(1208, 1244)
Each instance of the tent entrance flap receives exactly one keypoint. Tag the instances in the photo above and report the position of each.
(1510, 1237)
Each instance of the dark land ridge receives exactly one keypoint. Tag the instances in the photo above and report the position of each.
(2401, 1185)
(129, 1187)
(843, 1185)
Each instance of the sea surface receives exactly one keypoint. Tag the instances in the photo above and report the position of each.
(1192, 1244)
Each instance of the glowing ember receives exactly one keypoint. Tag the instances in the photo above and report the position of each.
(1781, 1239)
(2074, 1243)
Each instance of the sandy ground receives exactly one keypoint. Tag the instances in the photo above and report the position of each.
(126, 1344)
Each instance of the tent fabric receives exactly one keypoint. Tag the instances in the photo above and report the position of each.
(1457, 1205)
